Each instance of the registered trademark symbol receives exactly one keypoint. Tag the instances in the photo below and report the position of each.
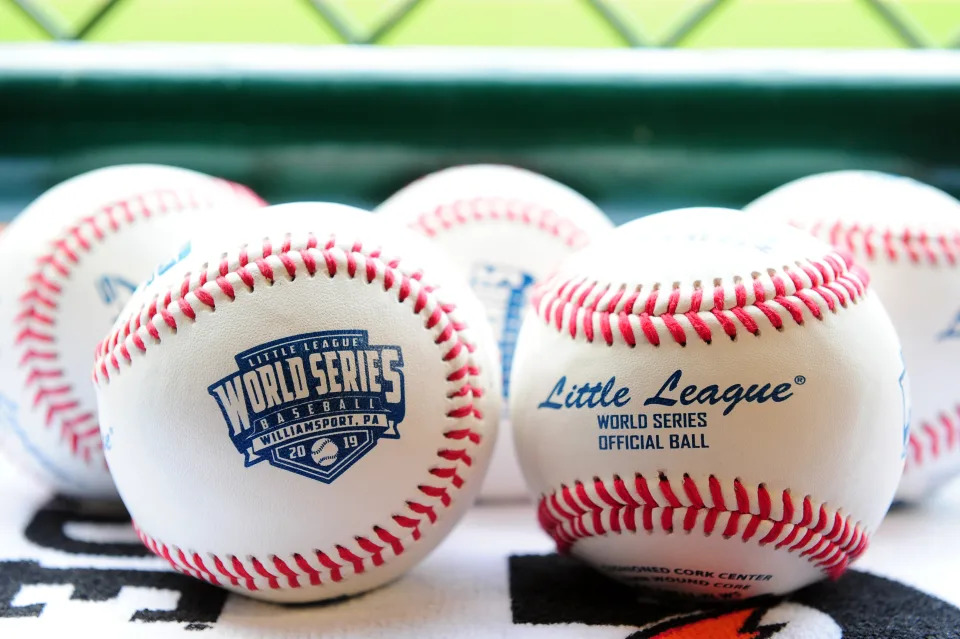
(800, 380)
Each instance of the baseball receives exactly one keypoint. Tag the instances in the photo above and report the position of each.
(70, 261)
(339, 414)
(324, 452)
(711, 404)
(907, 234)
(505, 228)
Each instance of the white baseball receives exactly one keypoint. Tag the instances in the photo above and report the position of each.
(357, 333)
(324, 452)
(711, 404)
(70, 261)
(505, 228)
(907, 234)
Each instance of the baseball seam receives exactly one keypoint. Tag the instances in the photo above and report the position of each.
(582, 510)
(498, 209)
(36, 339)
(158, 321)
(585, 308)
(934, 439)
(874, 241)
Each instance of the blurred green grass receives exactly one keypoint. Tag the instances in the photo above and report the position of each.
(737, 23)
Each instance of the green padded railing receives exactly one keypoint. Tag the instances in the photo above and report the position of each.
(634, 130)
(610, 23)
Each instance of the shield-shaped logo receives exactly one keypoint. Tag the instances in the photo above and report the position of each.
(313, 404)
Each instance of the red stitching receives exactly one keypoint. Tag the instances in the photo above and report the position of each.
(876, 241)
(36, 319)
(571, 514)
(933, 439)
(584, 307)
(485, 209)
(183, 303)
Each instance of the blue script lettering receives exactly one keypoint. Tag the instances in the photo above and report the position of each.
(731, 395)
(586, 396)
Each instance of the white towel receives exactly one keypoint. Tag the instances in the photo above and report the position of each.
(495, 576)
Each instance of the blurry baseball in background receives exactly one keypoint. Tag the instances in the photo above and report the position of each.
(339, 415)
(709, 403)
(907, 235)
(506, 228)
(70, 261)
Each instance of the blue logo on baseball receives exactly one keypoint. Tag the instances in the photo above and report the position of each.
(313, 404)
(952, 331)
(905, 404)
(503, 291)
